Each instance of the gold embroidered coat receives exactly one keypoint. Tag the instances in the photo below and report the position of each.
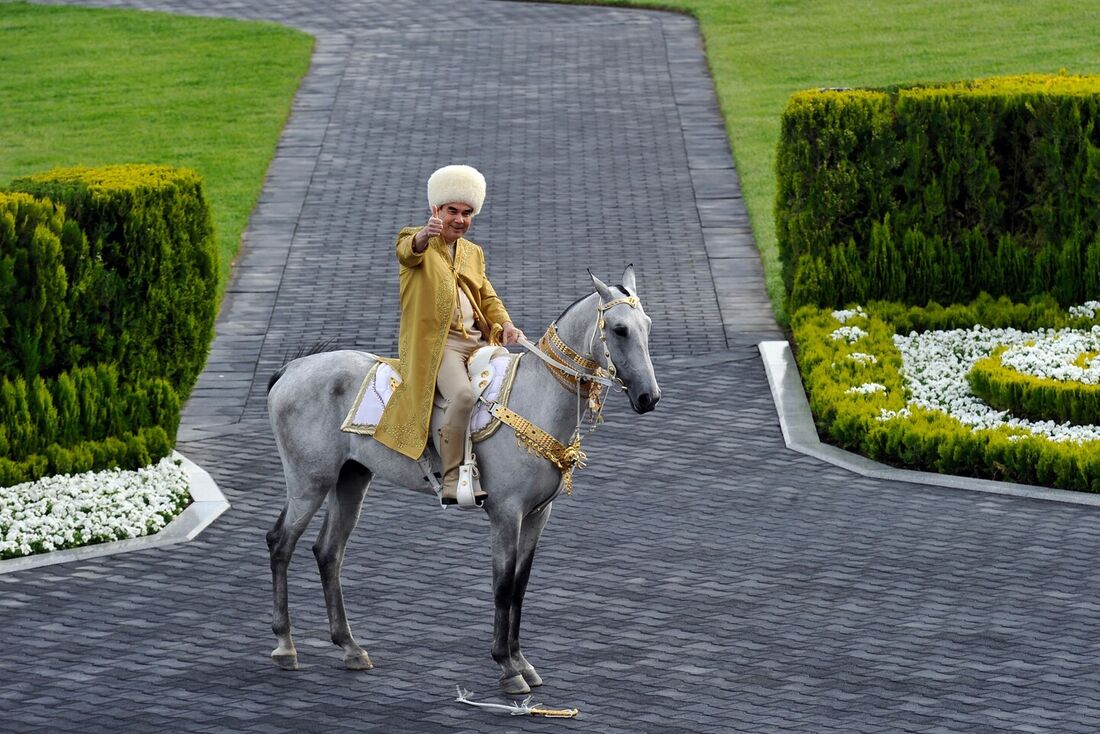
(428, 293)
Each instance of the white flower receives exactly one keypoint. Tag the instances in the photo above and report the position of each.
(1053, 355)
(850, 334)
(862, 358)
(935, 365)
(97, 506)
(887, 415)
(844, 315)
(1087, 309)
(866, 388)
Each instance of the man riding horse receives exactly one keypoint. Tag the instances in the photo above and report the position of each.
(448, 310)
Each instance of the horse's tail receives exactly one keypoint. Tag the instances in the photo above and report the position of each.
(275, 377)
(326, 345)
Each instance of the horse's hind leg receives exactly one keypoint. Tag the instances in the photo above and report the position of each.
(529, 535)
(281, 539)
(343, 513)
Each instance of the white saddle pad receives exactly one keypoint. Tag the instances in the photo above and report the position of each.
(382, 378)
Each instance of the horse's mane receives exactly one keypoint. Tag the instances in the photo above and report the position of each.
(325, 345)
(625, 292)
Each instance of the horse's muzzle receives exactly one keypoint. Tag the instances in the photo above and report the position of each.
(646, 402)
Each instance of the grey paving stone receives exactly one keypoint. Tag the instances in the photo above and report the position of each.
(701, 579)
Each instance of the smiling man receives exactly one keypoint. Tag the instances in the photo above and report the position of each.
(448, 310)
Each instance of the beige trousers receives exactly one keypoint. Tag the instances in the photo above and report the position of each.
(453, 383)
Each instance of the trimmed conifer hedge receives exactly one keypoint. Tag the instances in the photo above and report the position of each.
(939, 192)
(1037, 398)
(107, 300)
(143, 288)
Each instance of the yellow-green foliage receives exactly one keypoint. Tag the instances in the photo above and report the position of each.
(828, 364)
(1030, 396)
(938, 192)
(1039, 84)
(927, 439)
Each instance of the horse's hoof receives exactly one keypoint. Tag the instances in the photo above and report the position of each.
(285, 660)
(358, 661)
(514, 685)
(532, 678)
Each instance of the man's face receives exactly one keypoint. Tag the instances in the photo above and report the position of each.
(457, 218)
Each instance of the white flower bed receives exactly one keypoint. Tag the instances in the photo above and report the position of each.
(863, 358)
(67, 511)
(935, 365)
(850, 334)
(867, 388)
(1053, 355)
(1087, 309)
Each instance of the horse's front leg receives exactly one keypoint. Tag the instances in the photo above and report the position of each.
(530, 531)
(505, 534)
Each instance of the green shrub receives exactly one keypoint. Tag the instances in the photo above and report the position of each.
(143, 286)
(126, 451)
(80, 407)
(1033, 397)
(34, 315)
(107, 288)
(940, 192)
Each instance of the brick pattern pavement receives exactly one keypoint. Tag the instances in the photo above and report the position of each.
(702, 579)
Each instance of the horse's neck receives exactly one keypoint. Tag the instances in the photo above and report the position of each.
(537, 395)
(577, 327)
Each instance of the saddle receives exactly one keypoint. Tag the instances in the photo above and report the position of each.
(491, 369)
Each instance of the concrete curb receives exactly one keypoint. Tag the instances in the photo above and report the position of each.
(207, 504)
(800, 434)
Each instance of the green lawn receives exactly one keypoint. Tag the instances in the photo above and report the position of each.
(760, 51)
(80, 86)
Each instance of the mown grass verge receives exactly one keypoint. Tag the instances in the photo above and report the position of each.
(762, 51)
(92, 87)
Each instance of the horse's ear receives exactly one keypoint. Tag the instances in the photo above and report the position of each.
(628, 280)
(601, 288)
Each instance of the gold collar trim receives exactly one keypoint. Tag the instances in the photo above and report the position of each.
(551, 344)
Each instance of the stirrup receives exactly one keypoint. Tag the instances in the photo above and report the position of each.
(469, 491)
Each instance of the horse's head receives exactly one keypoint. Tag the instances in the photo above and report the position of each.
(625, 331)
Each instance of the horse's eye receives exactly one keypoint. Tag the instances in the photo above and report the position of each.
(621, 331)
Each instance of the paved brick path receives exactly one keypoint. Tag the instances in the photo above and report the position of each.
(702, 579)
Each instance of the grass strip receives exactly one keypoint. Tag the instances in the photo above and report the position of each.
(84, 86)
(762, 51)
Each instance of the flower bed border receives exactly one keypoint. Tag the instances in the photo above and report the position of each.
(888, 427)
(207, 504)
(1038, 398)
(800, 434)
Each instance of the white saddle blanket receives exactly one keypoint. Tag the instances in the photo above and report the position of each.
(382, 378)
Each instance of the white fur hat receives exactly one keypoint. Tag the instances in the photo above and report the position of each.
(457, 183)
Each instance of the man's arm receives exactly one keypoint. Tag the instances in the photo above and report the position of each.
(412, 242)
(493, 308)
(407, 254)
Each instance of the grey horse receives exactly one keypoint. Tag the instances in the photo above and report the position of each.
(308, 399)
